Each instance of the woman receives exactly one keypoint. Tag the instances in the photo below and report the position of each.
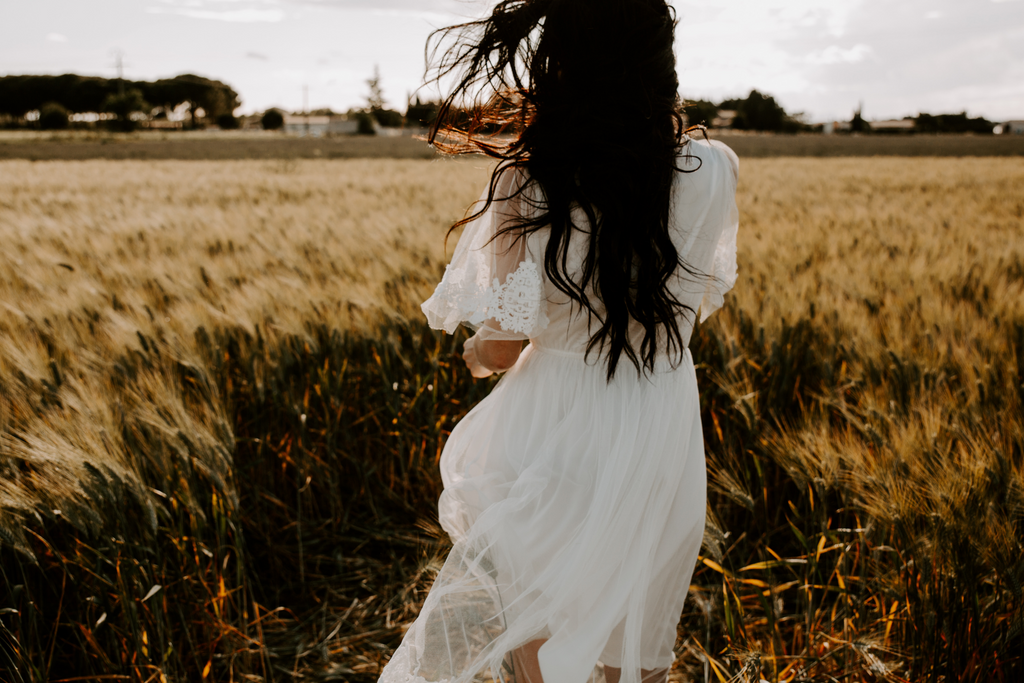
(575, 493)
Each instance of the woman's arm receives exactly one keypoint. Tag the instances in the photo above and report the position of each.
(486, 356)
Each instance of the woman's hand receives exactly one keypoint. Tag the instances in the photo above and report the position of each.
(484, 357)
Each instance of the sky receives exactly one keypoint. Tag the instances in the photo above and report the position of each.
(821, 57)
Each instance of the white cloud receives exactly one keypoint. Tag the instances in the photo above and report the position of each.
(432, 7)
(243, 11)
(727, 48)
(56, 37)
(833, 54)
(928, 55)
(206, 3)
(239, 15)
(434, 17)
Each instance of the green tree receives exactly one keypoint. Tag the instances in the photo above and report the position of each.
(214, 98)
(759, 112)
(227, 122)
(375, 100)
(732, 104)
(375, 107)
(123, 106)
(365, 123)
(88, 93)
(858, 124)
(53, 116)
(700, 112)
(272, 119)
(952, 123)
(389, 118)
(22, 94)
(422, 113)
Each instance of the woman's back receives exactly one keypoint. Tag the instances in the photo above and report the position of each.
(501, 274)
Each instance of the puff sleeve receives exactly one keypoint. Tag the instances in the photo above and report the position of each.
(493, 284)
(723, 270)
(704, 221)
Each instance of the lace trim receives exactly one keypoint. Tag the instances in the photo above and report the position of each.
(515, 304)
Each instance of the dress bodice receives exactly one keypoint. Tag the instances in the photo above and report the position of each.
(499, 284)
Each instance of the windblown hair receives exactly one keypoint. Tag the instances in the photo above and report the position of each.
(582, 95)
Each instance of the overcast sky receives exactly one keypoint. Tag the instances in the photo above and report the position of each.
(822, 57)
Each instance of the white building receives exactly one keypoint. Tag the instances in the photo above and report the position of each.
(829, 127)
(724, 119)
(1011, 128)
(893, 126)
(319, 126)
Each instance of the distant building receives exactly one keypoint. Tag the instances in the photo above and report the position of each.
(893, 126)
(724, 118)
(830, 127)
(319, 126)
(1010, 128)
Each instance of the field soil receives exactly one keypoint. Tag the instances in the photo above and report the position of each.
(261, 145)
(212, 146)
(807, 145)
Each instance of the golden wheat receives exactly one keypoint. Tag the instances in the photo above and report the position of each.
(872, 350)
(100, 257)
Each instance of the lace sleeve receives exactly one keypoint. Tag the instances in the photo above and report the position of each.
(723, 270)
(492, 283)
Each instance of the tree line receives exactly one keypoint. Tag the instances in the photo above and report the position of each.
(74, 94)
(760, 112)
(58, 97)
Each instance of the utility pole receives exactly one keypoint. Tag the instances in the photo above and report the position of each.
(305, 106)
(119, 62)
(408, 103)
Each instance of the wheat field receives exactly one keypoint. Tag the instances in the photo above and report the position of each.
(220, 414)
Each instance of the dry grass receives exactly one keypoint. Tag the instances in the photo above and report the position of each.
(186, 244)
(870, 368)
(123, 285)
(104, 259)
(216, 373)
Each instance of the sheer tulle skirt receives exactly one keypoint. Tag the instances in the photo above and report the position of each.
(576, 508)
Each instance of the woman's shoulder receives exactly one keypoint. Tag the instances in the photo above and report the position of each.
(704, 191)
(709, 155)
(708, 173)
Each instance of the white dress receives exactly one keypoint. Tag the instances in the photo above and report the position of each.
(576, 506)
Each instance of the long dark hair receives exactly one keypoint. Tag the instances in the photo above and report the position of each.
(583, 96)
